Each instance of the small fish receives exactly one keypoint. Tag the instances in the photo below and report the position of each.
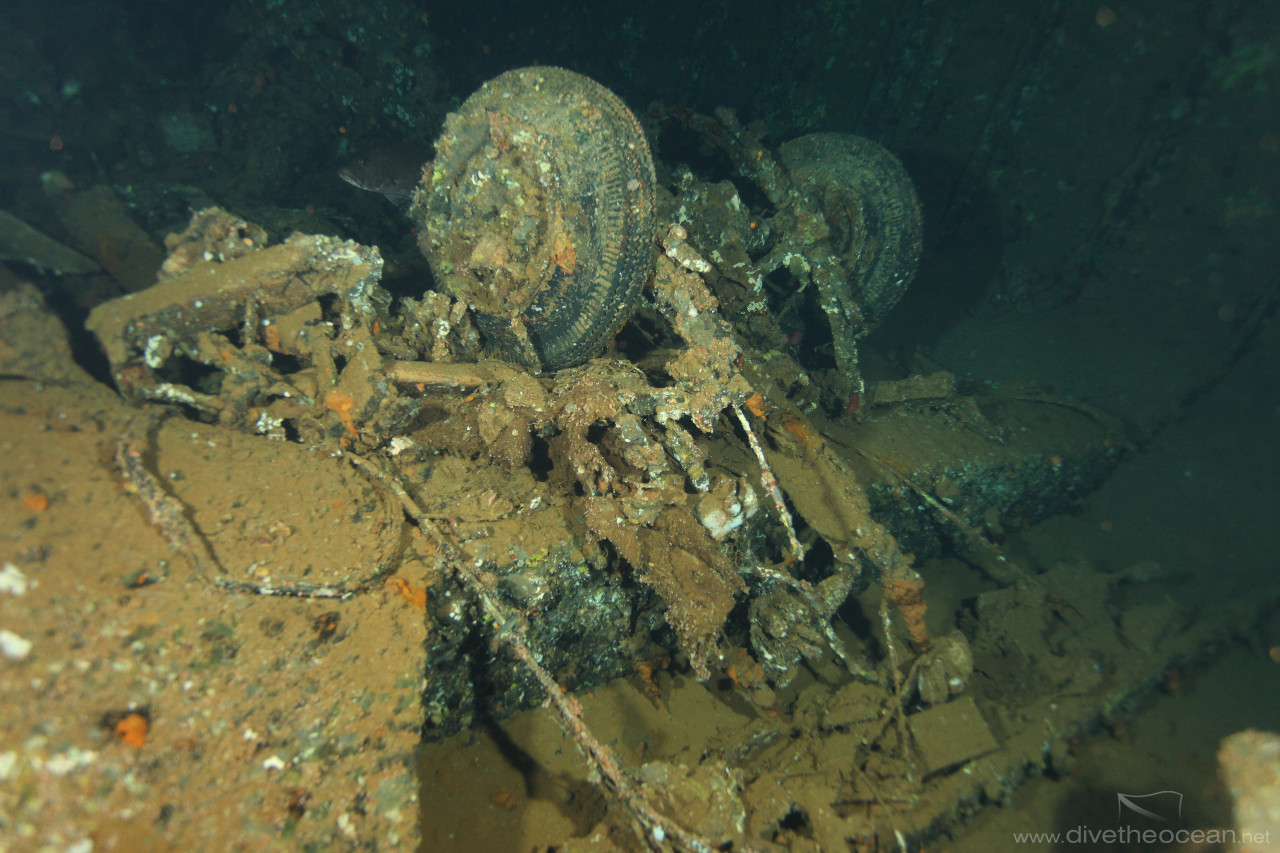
(393, 169)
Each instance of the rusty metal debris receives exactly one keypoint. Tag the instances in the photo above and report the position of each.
(684, 490)
(224, 330)
(20, 242)
(299, 342)
(284, 340)
(99, 225)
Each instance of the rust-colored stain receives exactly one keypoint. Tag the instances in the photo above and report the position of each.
(342, 404)
(132, 730)
(563, 253)
(417, 596)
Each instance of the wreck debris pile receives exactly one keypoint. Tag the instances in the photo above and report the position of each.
(299, 341)
(627, 456)
(221, 332)
(587, 509)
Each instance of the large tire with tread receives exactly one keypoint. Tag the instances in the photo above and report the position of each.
(538, 212)
(869, 203)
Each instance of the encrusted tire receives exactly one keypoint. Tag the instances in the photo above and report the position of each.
(870, 204)
(538, 212)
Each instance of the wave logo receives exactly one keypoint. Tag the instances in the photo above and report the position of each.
(1167, 803)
